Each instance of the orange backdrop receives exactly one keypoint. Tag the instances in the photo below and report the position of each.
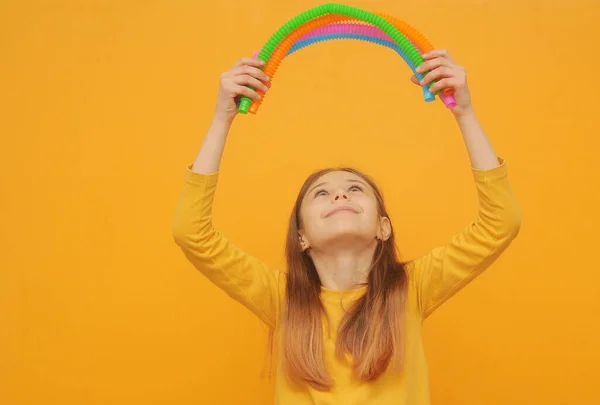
(104, 103)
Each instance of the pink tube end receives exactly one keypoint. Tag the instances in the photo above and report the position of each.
(449, 101)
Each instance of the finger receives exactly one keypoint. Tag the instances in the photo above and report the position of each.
(247, 80)
(436, 74)
(252, 71)
(446, 83)
(250, 62)
(437, 53)
(414, 79)
(433, 64)
(246, 91)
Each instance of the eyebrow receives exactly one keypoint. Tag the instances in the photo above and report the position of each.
(348, 180)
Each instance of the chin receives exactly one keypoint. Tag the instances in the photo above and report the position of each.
(348, 237)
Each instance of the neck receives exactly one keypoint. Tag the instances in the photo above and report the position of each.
(343, 269)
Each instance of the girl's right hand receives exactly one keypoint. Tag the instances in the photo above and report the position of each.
(234, 84)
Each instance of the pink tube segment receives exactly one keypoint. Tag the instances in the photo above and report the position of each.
(347, 28)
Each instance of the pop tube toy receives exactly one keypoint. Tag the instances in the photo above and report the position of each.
(360, 32)
(300, 27)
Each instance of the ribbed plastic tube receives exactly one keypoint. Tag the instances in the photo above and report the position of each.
(280, 43)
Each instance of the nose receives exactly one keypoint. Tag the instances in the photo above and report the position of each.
(340, 194)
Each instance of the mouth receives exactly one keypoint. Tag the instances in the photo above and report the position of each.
(341, 209)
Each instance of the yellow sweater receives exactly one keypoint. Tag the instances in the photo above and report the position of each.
(433, 279)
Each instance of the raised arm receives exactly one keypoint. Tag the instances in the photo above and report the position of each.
(243, 277)
(232, 86)
(447, 269)
(449, 74)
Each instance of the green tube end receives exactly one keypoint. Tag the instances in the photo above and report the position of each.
(245, 103)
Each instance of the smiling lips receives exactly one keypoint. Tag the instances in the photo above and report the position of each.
(341, 209)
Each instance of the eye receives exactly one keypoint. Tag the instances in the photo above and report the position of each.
(320, 192)
(355, 187)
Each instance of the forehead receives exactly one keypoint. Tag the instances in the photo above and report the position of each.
(337, 176)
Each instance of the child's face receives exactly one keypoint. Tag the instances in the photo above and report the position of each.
(340, 208)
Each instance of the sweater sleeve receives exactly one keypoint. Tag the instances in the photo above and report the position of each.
(243, 277)
(447, 269)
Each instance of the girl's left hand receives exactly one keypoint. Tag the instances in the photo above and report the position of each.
(449, 74)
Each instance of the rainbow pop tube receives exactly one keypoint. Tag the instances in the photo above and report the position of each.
(279, 44)
(355, 31)
(271, 67)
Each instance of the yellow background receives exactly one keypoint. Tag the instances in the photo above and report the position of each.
(104, 103)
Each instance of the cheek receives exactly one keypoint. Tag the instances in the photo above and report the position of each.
(311, 219)
(370, 214)
(368, 205)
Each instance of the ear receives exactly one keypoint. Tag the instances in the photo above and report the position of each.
(303, 242)
(385, 229)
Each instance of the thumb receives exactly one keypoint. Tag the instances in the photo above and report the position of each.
(414, 79)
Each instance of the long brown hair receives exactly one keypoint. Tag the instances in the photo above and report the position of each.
(370, 330)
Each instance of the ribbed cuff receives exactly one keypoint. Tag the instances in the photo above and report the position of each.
(496, 173)
(200, 179)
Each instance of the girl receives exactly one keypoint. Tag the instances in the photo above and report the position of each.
(347, 314)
